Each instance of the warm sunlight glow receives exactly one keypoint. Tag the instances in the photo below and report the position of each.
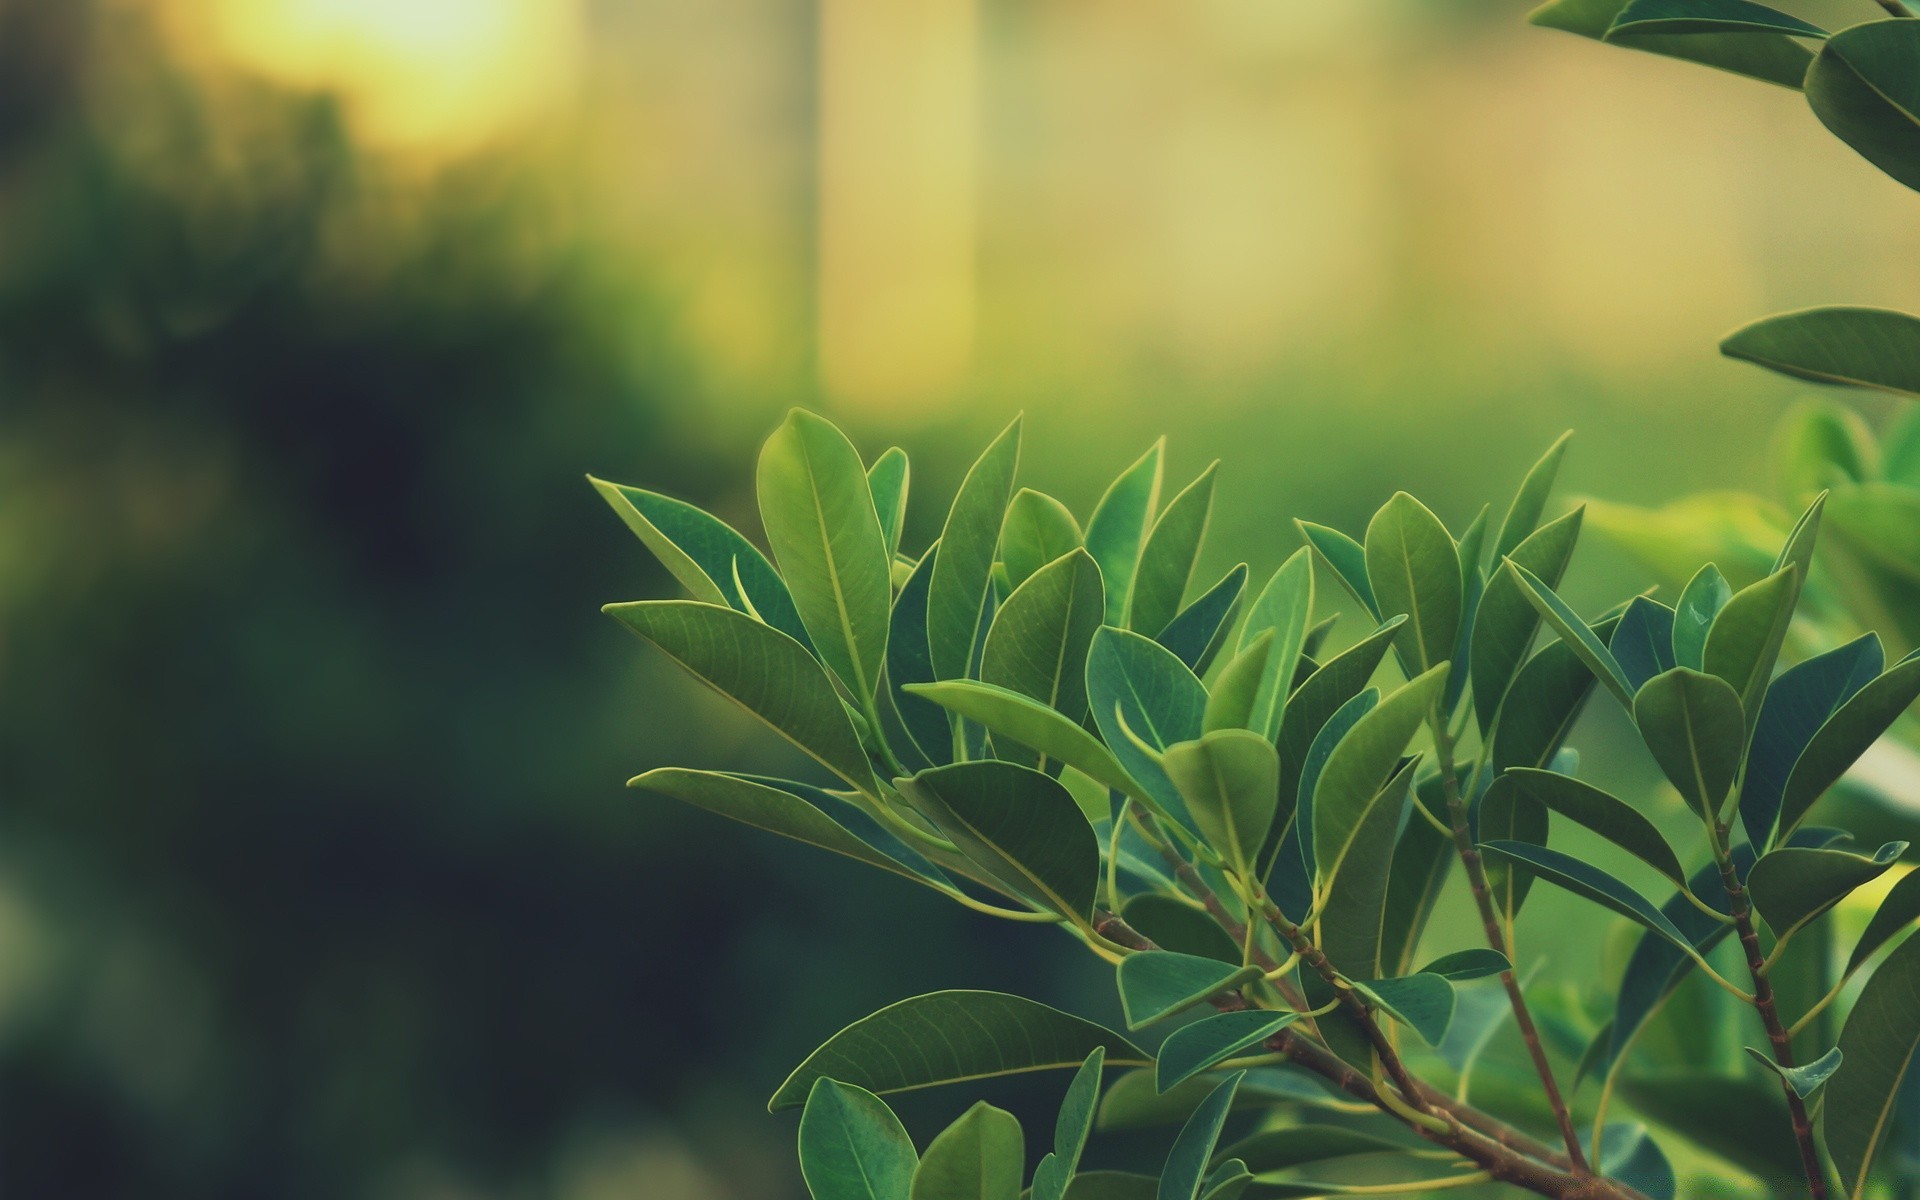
(426, 75)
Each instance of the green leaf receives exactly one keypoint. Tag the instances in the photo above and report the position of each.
(1197, 634)
(1019, 825)
(1423, 1003)
(1167, 558)
(1054, 1175)
(1156, 984)
(1230, 780)
(1346, 558)
(1414, 569)
(1545, 700)
(852, 1147)
(1576, 633)
(1584, 879)
(1193, 1147)
(1118, 528)
(1633, 1158)
(1899, 909)
(887, 481)
(774, 809)
(1471, 551)
(1138, 686)
(706, 555)
(1194, 1048)
(1324, 743)
(1700, 602)
(1707, 16)
(1230, 699)
(1864, 89)
(1741, 1120)
(820, 520)
(909, 662)
(1643, 641)
(1351, 784)
(1530, 501)
(1881, 523)
(1465, 966)
(1857, 347)
(1284, 608)
(1879, 1043)
(762, 670)
(1744, 642)
(1336, 682)
(1506, 620)
(1511, 813)
(1422, 859)
(1820, 444)
(1845, 736)
(1112, 1185)
(963, 567)
(1038, 529)
(1022, 719)
(1352, 915)
(1282, 1149)
(1133, 1102)
(1798, 703)
(981, 1156)
(1769, 57)
(1038, 642)
(953, 1037)
(1694, 726)
(1604, 814)
(1172, 925)
(1804, 1080)
(1793, 885)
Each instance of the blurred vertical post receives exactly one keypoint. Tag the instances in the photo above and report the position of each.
(898, 154)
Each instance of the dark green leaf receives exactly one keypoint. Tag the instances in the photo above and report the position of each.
(1353, 912)
(1038, 642)
(1576, 633)
(1197, 634)
(1022, 719)
(1643, 641)
(1313, 705)
(1347, 559)
(1282, 1149)
(1632, 1157)
(1793, 885)
(950, 1037)
(1509, 813)
(1707, 16)
(1770, 57)
(1330, 736)
(1804, 1080)
(1019, 825)
(887, 481)
(759, 668)
(1464, 966)
(1471, 550)
(1798, 703)
(1414, 569)
(1530, 501)
(1424, 1003)
(1038, 529)
(1584, 879)
(1860, 347)
(852, 1147)
(1693, 725)
(1742, 1120)
(1546, 699)
(1864, 89)
(1700, 602)
(820, 520)
(981, 1156)
(1171, 925)
(1506, 620)
(1055, 1173)
(1845, 736)
(1118, 529)
(1137, 686)
(1194, 1048)
(1112, 1185)
(1657, 966)
(1284, 608)
(1604, 814)
(1745, 640)
(1156, 984)
(1879, 1042)
(1899, 909)
(909, 661)
(1229, 779)
(1356, 773)
(1422, 859)
(963, 565)
(1193, 1147)
(1134, 1102)
(1167, 558)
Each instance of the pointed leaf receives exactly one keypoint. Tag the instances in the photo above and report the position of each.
(1744, 642)
(1230, 699)
(1193, 1148)
(1022, 719)
(1054, 1175)
(1137, 686)
(1693, 725)
(1019, 825)
(1464, 966)
(1546, 699)
(820, 520)
(963, 566)
(1299, 1146)
(1793, 885)
(1576, 633)
(1584, 879)
(852, 1147)
(759, 668)
(1899, 909)
(1859, 347)
(1798, 703)
(1312, 707)
(1361, 764)
(910, 662)
(1352, 918)
(1643, 641)
(1194, 1048)
(1284, 608)
(1506, 620)
(1346, 558)
(1845, 736)
(1700, 602)
(1804, 1080)
(1167, 558)
(1863, 88)
(1229, 779)
(887, 481)
(1879, 1044)
(1604, 814)
(1708, 16)
(1422, 859)
(1770, 57)
(1118, 529)
(1155, 984)
(1423, 1003)
(1414, 569)
(1510, 813)
(1038, 642)
(1038, 529)
(1197, 634)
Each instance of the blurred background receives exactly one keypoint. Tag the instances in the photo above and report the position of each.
(317, 877)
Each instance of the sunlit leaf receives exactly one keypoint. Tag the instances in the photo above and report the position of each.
(1118, 529)
(1230, 699)
(963, 565)
(1806, 1079)
(1745, 640)
(981, 1156)
(1284, 608)
(1167, 558)
(1793, 885)
(1414, 569)
(1037, 530)
(1880, 522)
(1860, 347)
(887, 481)
(1229, 779)
(1026, 721)
(852, 1147)
(1038, 642)
(1900, 909)
(1879, 1043)
(1700, 602)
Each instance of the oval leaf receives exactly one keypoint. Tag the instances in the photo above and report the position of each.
(1583, 879)
(1038, 529)
(1136, 686)
(1038, 642)
(1845, 736)
(1355, 774)
(1194, 1048)
(1414, 569)
(1797, 705)
(1283, 609)
(1793, 885)
(1019, 825)
(1693, 724)
(1605, 814)
(1857, 347)
(1230, 780)
(1744, 642)
(852, 1147)
(981, 1156)
(1864, 89)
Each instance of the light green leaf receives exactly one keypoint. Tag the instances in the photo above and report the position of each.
(852, 1147)
(1864, 89)
(887, 480)
(1879, 1043)
(1019, 825)
(981, 1156)
(1744, 643)
(762, 670)
(1805, 1080)
(1284, 609)
(1230, 700)
(1700, 602)
(1118, 529)
(1423, 1003)
(1897, 911)
(1604, 814)
(1207, 1043)
(1193, 1147)
(1414, 569)
(1506, 620)
(1858, 347)
(1707, 16)
(1137, 686)
(1038, 642)
(1055, 1172)
(1584, 879)
(953, 1037)
(1167, 558)
(1352, 781)
(820, 520)
(1795, 884)
(1024, 720)
(1530, 501)
(1230, 780)
(1156, 984)
(963, 566)
(1694, 726)
(1576, 633)
(1038, 530)
(1845, 736)
(1821, 444)
(1770, 57)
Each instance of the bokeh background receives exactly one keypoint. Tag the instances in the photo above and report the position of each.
(317, 877)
